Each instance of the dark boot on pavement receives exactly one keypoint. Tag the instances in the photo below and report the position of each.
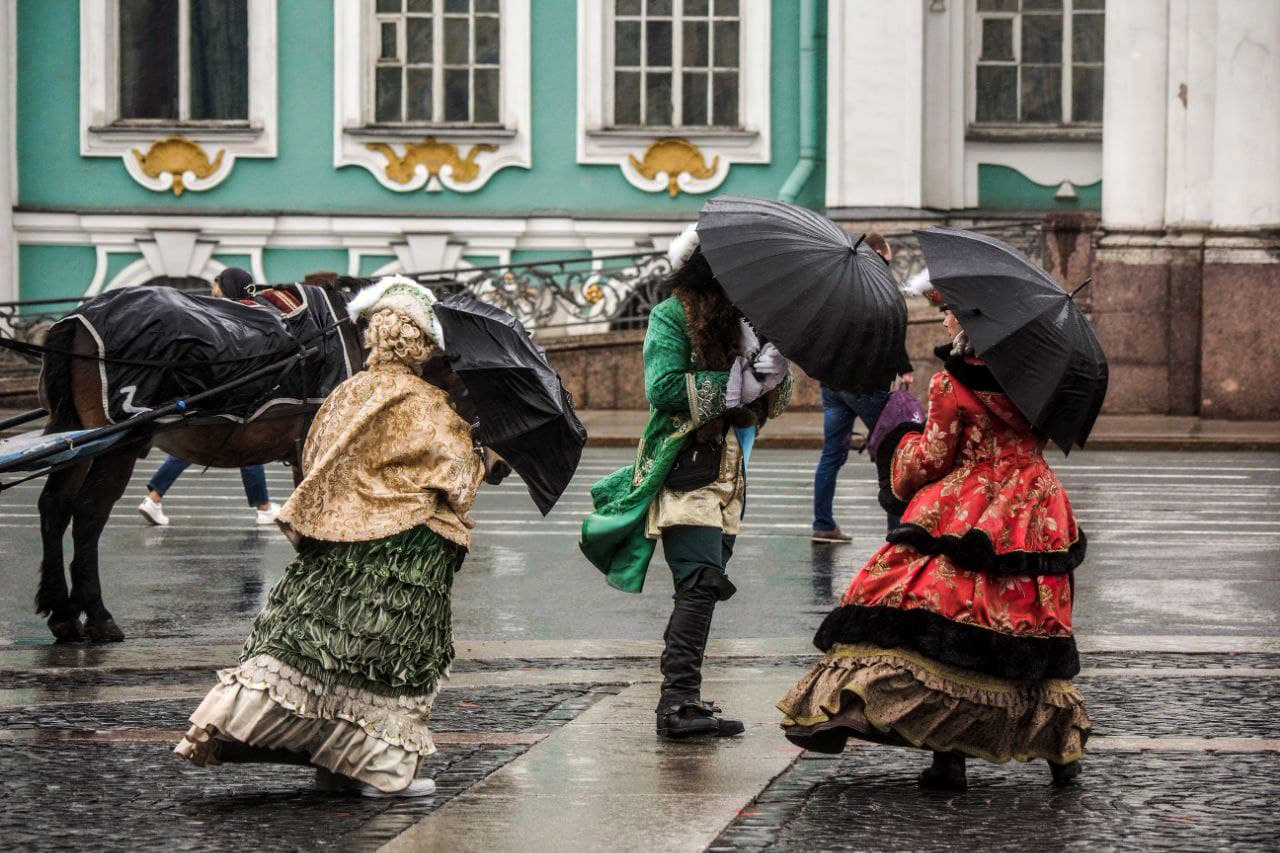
(831, 537)
(681, 713)
(1064, 774)
(828, 742)
(696, 719)
(945, 774)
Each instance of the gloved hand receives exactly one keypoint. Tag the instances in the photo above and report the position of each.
(770, 366)
(751, 380)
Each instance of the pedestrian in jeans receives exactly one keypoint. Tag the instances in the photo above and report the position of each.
(839, 408)
(231, 283)
(254, 478)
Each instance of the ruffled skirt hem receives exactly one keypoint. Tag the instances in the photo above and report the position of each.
(900, 697)
(264, 703)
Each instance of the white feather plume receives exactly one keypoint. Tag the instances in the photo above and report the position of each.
(682, 247)
(918, 284)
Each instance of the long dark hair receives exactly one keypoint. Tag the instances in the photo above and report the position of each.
(711, 321)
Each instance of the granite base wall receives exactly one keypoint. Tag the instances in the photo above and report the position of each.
(1240, 362)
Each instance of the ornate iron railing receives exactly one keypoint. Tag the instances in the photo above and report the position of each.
(565, 295)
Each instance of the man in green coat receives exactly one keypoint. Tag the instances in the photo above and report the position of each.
(710, 385)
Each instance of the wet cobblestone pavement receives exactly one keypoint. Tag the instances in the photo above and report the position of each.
(142, 797)
(867, 799)
(124, 794)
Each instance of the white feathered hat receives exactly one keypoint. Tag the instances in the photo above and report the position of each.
(683, 247)
(403, 295)
(919, 284)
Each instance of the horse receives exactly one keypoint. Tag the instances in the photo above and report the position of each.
(83, 494)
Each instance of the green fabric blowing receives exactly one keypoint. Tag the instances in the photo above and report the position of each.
(373, 615)
(681, 399)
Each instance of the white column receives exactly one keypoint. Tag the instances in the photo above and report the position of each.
(1246, 170)
(944, 110)
(1191, 96)
(8, 152)
(1134, 114)
(875, 103)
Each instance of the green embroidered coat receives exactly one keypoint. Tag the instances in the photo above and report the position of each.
(681, 399)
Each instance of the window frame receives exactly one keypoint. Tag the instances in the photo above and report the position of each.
(104, 132)
(601, 142)
(355, 36)
(678, 70)
(1024, 130)
(372, 56)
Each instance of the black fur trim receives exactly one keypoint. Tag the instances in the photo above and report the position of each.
(974, 552)
(951, 643)
(975, 377)
(884, 460)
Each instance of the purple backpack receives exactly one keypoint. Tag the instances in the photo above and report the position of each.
(901, 407)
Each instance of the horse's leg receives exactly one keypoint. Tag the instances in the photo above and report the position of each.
(56, 503)
(104, 485)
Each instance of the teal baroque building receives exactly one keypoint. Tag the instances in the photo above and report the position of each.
(162, 140)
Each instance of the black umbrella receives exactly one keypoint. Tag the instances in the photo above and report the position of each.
(829, 303)
(1028, 330)
(525, 413)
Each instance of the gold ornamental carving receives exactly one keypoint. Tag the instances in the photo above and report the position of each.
(176, 156)
(674, 156)
(433, 156)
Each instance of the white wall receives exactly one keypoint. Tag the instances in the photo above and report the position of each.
(1246, 167)
(1134, 113)
(875, 103)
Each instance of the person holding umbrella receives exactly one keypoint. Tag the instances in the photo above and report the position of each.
(343, 663)
(710, 384)
(956, 636)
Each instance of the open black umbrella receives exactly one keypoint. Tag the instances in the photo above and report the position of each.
(525, 413)
(827, 302)
(1036, 342)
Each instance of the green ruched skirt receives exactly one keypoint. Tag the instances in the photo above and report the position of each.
(371, 615)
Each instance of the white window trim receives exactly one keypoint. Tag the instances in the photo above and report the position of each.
(601, 144)
(103, 135)
(1019, 130)
(353, 22)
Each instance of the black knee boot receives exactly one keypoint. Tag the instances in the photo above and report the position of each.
(681, 711)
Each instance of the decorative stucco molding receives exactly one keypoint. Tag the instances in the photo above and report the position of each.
(178, 164)
(675, 165)
(173, 156)
(431, 157)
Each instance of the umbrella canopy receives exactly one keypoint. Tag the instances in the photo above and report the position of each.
(1034, 339)
(828, 303)
(526, 415)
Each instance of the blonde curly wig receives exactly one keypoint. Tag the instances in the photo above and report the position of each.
(393, 337)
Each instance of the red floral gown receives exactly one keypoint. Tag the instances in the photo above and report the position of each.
(956, 635)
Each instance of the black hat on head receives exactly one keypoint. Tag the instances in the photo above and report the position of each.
(234, 283)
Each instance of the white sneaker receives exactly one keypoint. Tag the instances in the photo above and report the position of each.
(152, 512)
(416, 788)
(268, 515)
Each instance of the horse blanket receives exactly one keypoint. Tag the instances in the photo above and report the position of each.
(158, 344)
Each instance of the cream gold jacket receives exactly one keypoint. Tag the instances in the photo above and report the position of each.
(386, 453)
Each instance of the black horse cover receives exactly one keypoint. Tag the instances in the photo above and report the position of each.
(159, 344)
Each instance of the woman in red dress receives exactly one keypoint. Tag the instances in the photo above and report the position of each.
(956, 636)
